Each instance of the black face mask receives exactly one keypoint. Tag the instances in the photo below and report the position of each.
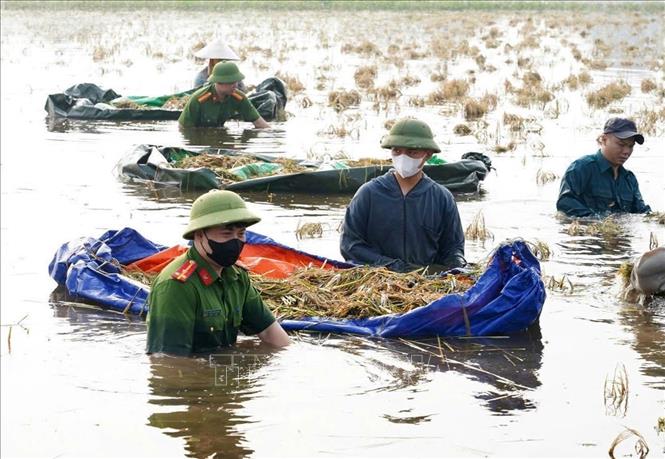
(225, 253)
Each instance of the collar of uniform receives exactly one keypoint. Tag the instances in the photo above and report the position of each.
(211, 90)
(229, 272)
(603, 164)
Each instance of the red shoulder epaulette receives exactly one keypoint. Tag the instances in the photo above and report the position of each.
(205, 276)
(237, 95)
(185, 271)
(202, 98)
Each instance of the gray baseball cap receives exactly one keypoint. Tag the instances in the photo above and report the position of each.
(623, 128)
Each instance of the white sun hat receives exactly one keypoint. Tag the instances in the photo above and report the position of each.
(217, 49)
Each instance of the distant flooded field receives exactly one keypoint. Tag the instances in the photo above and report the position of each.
(529, 88)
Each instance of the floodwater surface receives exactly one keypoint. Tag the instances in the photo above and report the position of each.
(76, 380)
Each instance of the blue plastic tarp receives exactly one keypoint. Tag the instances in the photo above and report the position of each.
(507, 298)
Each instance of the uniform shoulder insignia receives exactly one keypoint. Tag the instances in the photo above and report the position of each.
(184, 271)
(238, 95)
(203, 97)
(205, 276)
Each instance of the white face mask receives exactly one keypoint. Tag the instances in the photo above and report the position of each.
(406, 166)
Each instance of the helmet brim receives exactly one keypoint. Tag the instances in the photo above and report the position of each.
(223, 217)
(393, 141)
(234, 77)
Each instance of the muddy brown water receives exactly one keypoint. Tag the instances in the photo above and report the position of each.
(75, 379)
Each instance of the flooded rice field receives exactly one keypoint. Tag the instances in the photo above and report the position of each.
(531, 89)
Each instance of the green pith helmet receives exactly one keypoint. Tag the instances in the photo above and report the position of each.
(225, 72)
(218, 207)
(410, 133)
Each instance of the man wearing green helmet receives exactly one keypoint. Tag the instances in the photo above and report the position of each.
(404, 220)
(201, 299)
(219, 100)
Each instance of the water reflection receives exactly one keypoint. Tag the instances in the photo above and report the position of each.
(65, 125)
(647, 324)
(197, 399)
(510, 365)
(218, 137)
(92, 323)
(232, 137)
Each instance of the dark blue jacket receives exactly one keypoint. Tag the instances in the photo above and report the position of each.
(588, 187)
(384, 228)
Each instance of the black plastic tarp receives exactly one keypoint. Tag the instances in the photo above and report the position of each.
(461, 176)
(90, 102)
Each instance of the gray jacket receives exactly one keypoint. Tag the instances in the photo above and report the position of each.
(384, 228)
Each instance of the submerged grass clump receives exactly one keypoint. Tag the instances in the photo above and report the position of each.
(641, 447)
(365, 76)
(625, 271)
(563, 285)
(540, 249)
(606, 228)
(504, 148)
(477, 231)
(576, 81)
(449, 90)
(616, 392)
(462, 129)
(293, 83)
(543, 177)
(366, 48)
(309, 230)
(648, 85)
(658, 217)
(342, 99)
(477, 108)
(607, 94)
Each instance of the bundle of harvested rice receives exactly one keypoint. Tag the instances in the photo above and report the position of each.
(176, 103)
(354, 293)
(220, 164)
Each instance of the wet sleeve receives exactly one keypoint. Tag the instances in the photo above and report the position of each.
(451, 243)
(191, 114)
(256, 316)
(570, 199)
(247, 110)
(638, 205)
(171, 318)
(354, 245)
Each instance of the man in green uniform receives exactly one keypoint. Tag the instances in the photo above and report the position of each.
(219, 100)
(201, 299)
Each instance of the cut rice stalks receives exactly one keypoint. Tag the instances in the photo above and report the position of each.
(222, 165)
(354, 293)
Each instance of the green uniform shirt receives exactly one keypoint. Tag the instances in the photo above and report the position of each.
(204, 110)
(187, 316)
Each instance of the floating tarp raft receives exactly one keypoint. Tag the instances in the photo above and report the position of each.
(507, 298)
(163, 165)
(90, 102)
